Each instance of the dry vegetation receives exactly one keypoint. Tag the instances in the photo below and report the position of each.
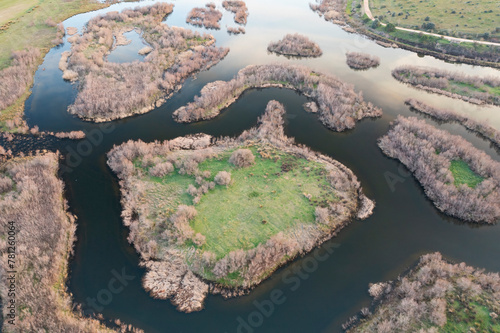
(482, 128)
(357, 60)
(203, 211)
(207, 17)
(295, 45)
(472, 89)
(32, 207)
(436, 296)
(461, 180)
(331, 10)
(339, 105)
(239, 8)
(109, 90)
(235, 31)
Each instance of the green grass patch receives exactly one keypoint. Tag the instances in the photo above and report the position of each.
(463, 174)
(462, 316)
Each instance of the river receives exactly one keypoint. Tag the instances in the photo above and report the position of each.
(317, 295)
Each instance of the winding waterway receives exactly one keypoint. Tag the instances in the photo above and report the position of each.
(317, 295)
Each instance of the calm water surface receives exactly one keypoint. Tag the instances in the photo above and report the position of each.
(404, 225)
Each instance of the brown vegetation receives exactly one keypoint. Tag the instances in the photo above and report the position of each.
(174, 266)
(428, 152)
(34, 211)
(295, 45)
(109, 90)
(235, 31)
(435, 296)
(482, 128)
(18, 76)
(357, 60)
(239, 8)
(242, 158)
(472, 89)
(208, 17)
(331, 10)
(339, 105)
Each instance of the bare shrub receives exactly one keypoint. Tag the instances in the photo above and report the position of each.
(428, 152)
(51, 23)
(295, 45)
(235, 30)
(5, 184)
(161, 169)
(322, 215)
(357, 60)
(223, 178)
(207, 17)
(242, 158)
(74, 135)
(239, 9)
(199, 239)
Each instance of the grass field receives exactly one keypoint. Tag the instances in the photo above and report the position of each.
(261, 200)
(463, 174)
(460, 16)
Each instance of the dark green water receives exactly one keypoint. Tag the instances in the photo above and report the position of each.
(317, 295)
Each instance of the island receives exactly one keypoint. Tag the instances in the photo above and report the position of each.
(472, 89)
(338, 105)
(36, 244)
(108, 90)
(461, 180)
(482, 128)
(435, 296)
(207, 17)
(221, 215)
(361, 61)
(295, 45)
(238, 8)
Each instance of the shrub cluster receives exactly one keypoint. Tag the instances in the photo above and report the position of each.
(109, 90)
(339, 105)
(239, 8)
(433, 294)
(443, 82)
(357, 60)
(428, 152)
(242, 158)
(295, 45)
(207, 17)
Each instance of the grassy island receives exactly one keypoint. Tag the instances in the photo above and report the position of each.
(472, 89)
(461, 180)
(435, 296)
(482, 128)
(295, 45)
(222, 215)
(36, 242)
(110, 90)
(338, 105)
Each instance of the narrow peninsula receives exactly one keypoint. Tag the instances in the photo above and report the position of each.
(460, 179)
(108, 90)
(220, 215)
(338, 105)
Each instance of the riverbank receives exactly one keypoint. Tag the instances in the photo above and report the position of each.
(338, 105)
(217, 206)
(435, 296)
(109, 91)
(35, 255)
(460, 180)
(349, 15)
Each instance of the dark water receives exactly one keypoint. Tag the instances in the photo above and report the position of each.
(314, 295)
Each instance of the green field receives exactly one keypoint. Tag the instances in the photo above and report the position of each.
(463, 174)
(457, 16)
(261, 200)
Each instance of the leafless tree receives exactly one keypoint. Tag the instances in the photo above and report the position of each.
(358, 60)
(295, 45)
